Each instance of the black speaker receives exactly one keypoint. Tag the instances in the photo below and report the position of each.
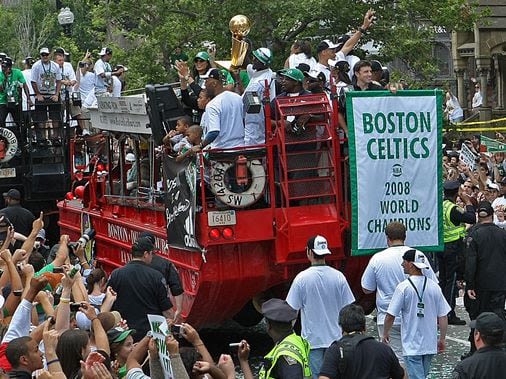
(47, 180)
(164, 109)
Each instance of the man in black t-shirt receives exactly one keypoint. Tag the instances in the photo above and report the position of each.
(21, 218)
(364, 76)
(169, 272)
(141, 290)
(356, 355)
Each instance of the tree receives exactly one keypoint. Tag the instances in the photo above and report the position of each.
(144, 33)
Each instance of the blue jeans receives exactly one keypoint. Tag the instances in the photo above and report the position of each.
(418, 366)
(316, 361)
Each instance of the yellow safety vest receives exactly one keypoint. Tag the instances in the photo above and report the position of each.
(292, 346)
(451, 232)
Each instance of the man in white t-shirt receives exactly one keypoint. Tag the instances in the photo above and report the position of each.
(46, 84)
(67, 83)
(104, 73)
(319, 292)
(224, 116)
(27, 73)
(254, 123)
(383, 273)
(326, 50)
(421, 305)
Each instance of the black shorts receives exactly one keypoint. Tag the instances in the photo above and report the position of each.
(42, 108)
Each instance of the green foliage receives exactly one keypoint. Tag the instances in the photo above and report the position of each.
(144, 33)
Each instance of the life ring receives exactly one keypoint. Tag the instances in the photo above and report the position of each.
(8, 145)
(241, 199)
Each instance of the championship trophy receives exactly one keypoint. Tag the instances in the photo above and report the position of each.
(239, 27)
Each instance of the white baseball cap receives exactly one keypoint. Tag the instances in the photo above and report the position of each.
(130, 157)
(417, 258)
(318, 245)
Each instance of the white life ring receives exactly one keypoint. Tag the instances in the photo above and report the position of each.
(9, 145)
(233, 199)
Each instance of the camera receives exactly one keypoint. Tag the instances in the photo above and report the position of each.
(74, 307)
(82, 64)
(88, 235)
(76, 99)
(176, 329)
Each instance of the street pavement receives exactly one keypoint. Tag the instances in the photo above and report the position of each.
(217, 340)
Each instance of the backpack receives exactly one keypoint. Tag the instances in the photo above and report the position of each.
(346, 349)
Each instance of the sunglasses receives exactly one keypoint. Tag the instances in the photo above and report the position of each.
(198, 60)
(44, 55)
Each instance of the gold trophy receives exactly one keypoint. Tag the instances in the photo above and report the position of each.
(239, 26)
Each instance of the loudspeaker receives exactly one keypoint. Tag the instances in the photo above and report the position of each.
(164, 109)
(47, 180)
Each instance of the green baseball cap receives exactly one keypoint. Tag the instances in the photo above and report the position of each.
(118, 334)
(204, 55)
(293, 74)
(264, 55)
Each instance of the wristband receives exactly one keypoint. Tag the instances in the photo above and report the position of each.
(56, 360)
(186, 77)
(362, 30)
(64, 300)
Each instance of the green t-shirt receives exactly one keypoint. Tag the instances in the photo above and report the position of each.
(11, 85)
(243, 74)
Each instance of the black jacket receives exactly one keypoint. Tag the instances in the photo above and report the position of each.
(487, 363)
(486, 258)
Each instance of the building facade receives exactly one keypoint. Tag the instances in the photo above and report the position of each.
(479, 57)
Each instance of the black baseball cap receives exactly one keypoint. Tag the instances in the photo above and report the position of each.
(488, 324)
(304, 67)
(143, 244)
(13, 194)
(324, 45)
(485, 209)
(214, 74)
(376, 66)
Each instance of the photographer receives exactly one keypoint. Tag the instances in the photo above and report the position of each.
(85, 85)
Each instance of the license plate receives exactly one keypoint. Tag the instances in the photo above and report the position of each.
(221, 218)
(8, 172)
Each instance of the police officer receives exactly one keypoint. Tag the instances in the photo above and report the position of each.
(490, 359)
(289, 358)
(486, 266)
(454, 229)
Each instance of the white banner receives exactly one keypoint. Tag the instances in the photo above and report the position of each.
(395, 164)
(159, 329)
(468, 157)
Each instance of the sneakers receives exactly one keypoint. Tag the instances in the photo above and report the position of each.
(454, 320)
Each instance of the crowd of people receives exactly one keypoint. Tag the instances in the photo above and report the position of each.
(65, 318)
(51, 89)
